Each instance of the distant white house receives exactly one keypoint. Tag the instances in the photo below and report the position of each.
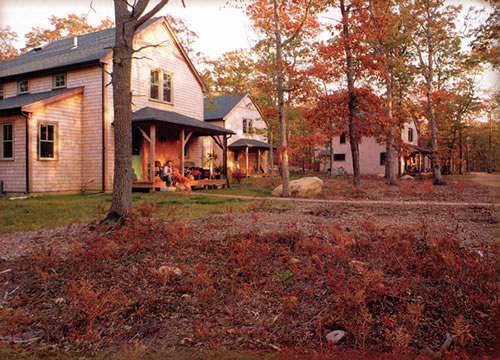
(372, 155)
(248, 149)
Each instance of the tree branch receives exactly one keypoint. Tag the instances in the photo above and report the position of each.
(151, 13)
(150, 46)
(294, 35)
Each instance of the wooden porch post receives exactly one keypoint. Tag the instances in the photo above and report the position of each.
(258, 160)
(246, 160)
(224, 159)
(181, 165)
(152, 146)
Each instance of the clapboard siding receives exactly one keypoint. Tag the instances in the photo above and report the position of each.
(9, 89)
(80, 119)
(245, 110)
(109, 133)
(64, 173)
(187, 92)
(91, 128)
(13, 172)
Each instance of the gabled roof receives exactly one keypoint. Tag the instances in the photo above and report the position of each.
(59, 54)
(177, 120)
(218, 107)
(30, 101)
(90, 49)
(251, 143)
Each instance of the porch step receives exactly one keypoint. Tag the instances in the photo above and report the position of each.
(168, 188)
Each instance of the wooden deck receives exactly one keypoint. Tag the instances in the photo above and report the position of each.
(148, 185)
(205, 183)
(154, 186)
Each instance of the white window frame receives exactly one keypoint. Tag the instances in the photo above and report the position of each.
(55, 81)
(3, 141)
(244, 125)
(19, 91)
(410, 134)
(154, 83)
(165, 81)
(53, 141)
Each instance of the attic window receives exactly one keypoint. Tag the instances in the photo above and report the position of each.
(161, 86)
(410, 135)
(22, 87)
(342, 138)
(59, 81)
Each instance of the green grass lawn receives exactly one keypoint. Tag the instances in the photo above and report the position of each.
(51, 211)
(58, 210)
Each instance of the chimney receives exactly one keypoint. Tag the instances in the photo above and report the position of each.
(75, 42)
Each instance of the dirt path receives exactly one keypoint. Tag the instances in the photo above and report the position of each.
(487, 179)
(354, 202)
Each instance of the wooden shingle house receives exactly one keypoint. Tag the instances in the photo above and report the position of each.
(248, 152)
(372, 154)
(56, 112)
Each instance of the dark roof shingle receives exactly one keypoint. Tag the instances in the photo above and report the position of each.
(251, 143)
(218, 107)
(17, 102)
(176, 119)
(58, 54)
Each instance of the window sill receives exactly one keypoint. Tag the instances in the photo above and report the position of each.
(161, 102)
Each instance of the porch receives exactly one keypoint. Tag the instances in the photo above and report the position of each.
(159, 136)
(415, 159)
(249, 157)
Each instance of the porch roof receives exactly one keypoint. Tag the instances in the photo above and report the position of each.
(20, 102)
(149, 114)
(251, 143)
(418, 149)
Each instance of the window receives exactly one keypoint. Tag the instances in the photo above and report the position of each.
(186, 151)
(342, 138)
(167, 88)
(59, 81)
(245, 126)
(382, 158)
(1, 92)
(250, 127)
(22, 87)
(155, 85)
(6, 150)
(410, 134)
(47, 142)
(161, 86)
(338, 157)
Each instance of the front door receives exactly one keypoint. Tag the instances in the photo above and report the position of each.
(136, 154)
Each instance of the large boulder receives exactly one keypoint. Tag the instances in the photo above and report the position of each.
(304, 187)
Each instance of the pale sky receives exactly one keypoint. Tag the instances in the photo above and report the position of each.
(220, 28)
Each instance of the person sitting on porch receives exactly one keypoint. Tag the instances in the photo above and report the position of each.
(168, 173)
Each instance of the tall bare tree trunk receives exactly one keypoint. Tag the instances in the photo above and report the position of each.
(490, 152)
(331, 156)
(128, 19)
(285, 174)
(460, 151)
(271, 156)
(429, 74)
(391, 160)
(351, 102)
(122, 106)
(436, 168)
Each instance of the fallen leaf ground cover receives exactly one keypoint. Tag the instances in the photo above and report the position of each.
(232, 283)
